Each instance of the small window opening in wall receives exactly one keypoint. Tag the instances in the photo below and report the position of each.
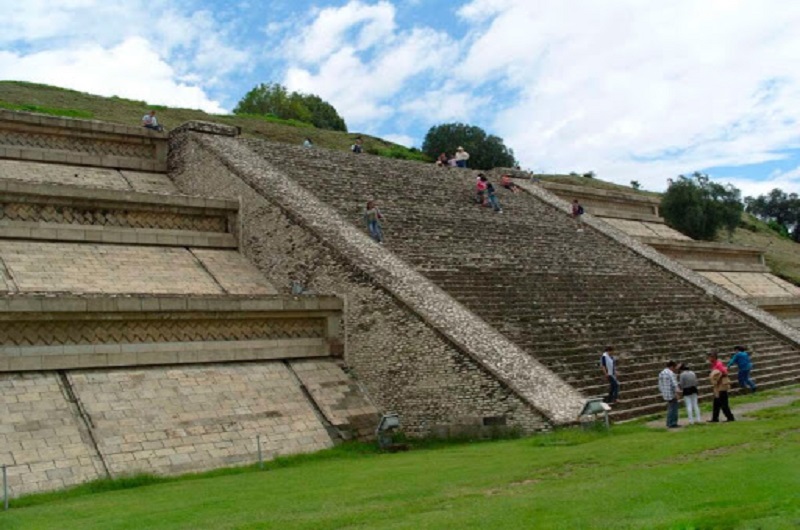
(494, 421)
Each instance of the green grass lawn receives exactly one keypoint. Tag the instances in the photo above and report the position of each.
(740, 475)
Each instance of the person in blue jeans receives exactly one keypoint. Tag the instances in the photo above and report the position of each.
(492, 194)
(373, 217)
(742, 361)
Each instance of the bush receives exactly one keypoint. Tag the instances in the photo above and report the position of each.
(699, 208)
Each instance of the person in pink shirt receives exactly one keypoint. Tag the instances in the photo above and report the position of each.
(480, 191)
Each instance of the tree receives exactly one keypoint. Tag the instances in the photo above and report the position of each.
(699, 208)
(273, 99)
(486, 151)
(780, 209)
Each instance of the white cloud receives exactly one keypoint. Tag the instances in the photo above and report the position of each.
(141, 49)
(131, 69)
(401, 139)
(639, 90)
(355, 24)
(788, 181)
(354, 57)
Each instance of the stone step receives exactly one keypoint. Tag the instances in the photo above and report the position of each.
(72, 213)
(41, 138)
(70, 332)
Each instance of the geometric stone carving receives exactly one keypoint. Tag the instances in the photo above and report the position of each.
(103, 216)
(154, 327)
(89, 146)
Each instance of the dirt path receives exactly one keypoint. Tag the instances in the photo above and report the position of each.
(740, 411)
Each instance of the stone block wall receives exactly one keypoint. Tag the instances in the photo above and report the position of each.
(559, 294)
(87, 177)
(406, 363)
(196, 417)
(42, 437)
(39, 138)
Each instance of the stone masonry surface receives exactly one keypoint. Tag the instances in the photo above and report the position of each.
(90, 177)
(404, 363)
(559, 294)
(338, 396)
(42, 439)
(93, 268)
(170, 421)
(40, 138)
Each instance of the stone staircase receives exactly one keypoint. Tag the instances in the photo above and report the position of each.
(742, 270)
(558, 294)
(134, 336)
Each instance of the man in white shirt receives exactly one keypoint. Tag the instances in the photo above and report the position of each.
(609, 365)
(150, 121)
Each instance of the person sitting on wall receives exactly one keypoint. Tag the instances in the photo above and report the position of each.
(150, 121)
(308, 143)
(357, 147)
(442, 160)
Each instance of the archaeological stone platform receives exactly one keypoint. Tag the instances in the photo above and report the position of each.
(740, 269)
(134, 336)
(519, 301)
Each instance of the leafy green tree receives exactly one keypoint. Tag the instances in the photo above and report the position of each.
(273, 99)
(780, 209)
(486, 151)
(699, 208)
(323, 115)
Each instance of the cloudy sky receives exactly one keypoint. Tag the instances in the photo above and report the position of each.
(631, 89)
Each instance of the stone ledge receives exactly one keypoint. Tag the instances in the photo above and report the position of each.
(700, 245)
(12, 188)
(621, 214)
(207, 127)
(721, 266)
(782, 302)
(149, 354)
(72, 303)
(581, 191)
(77, 124)
(42, 231)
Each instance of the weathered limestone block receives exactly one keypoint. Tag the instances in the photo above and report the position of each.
(194, 418)
(338, 396)
(42, 437)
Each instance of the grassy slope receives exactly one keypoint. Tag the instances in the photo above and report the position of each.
(129, 112)
(782, 255)
(742, 475)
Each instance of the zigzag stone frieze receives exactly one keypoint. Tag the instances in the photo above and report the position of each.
(155, 327)
(89, 146)
(87, 215)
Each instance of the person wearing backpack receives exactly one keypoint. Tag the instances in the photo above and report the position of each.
(577, 214)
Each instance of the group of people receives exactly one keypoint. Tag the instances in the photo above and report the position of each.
(459, 159)
(486, 194)
(677, 381)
